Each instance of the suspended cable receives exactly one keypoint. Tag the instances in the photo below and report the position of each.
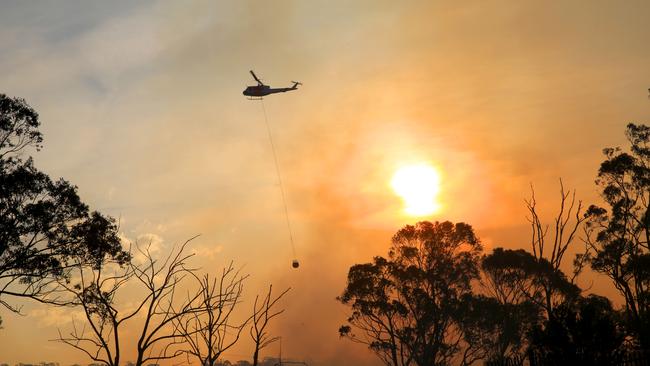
(277, 171)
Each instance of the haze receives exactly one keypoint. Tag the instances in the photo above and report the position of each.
(141, 108)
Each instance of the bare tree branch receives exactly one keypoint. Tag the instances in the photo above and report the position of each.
(96, 290)
(262, 315)
(212, 331)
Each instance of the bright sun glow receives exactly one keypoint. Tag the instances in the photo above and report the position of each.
(418, 185)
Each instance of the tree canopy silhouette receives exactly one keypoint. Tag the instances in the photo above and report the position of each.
(44, 224)
(583, 332)
(512, 282)
(409, 307)
(619, 239)
(516, 277)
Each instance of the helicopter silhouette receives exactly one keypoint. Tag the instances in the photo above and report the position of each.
(261, 90)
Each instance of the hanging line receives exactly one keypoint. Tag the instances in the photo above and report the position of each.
(277, 171)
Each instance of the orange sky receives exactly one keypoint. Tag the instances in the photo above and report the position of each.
(141, 108)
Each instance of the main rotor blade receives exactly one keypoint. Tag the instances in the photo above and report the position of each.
(255, 77)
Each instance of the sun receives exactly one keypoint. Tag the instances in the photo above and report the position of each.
(418, 185)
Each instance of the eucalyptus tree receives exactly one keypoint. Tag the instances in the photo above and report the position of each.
(44, 224)
(583, 332)
(619, 237)
(529, 286)
(516, 285)
(409, 308)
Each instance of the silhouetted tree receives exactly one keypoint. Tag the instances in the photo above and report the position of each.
(517, 277)
(619, 239)
(493, 330)
(528, 286)
(159, 308)
(584, 332)
(18, 126)
(44, 225)
(552, 284)
(408, 308)
(262, 315)
(211, 332)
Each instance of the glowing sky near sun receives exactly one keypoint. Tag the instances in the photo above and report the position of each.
(418, 185)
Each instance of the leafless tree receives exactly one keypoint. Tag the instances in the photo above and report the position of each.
(569, 219)
(262, 315)
(96, 290)
(566, 224)
(528, 286)
(211, 332)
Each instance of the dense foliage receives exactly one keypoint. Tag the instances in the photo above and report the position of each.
(584, 332)
(409, 307)
(620, 240)
(44, 225)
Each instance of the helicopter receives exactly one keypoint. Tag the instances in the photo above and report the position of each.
(261, 90)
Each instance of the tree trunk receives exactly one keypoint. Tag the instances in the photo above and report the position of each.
(256, 354)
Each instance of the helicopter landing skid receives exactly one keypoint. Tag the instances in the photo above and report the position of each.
(252, 98)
